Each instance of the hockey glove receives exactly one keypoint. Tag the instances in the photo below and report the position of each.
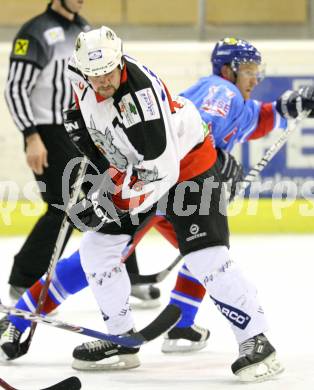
(230, 170)
(293, 103)
(79, 135)
(93, 212)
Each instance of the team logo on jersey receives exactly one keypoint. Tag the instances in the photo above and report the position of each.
(104, 143)
(218, 101)
(128, 110)
(148, 104)
(21, 47)
(147, 175)
(237, 317)
(54, 35)
(138, 186)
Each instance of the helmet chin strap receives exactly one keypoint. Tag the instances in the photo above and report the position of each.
(63, 3)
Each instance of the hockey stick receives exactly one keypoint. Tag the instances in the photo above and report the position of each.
(271, 152)
(56, 251)
(72, 383)
(245, 183)
(165, 320)
(154, 278)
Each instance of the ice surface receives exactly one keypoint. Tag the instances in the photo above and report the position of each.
(282, 268)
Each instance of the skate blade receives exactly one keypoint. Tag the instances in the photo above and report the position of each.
(182, 345)
(262, 371)
(114, 363)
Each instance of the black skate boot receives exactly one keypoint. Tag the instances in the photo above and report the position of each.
(10, 343)
(257, 360)
(104, 355)
(188, 339)
(147, 296)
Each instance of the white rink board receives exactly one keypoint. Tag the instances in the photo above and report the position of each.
(179, 64)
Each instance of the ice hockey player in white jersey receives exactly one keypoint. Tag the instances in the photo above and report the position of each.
(157, 150)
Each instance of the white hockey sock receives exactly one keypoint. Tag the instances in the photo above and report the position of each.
(108, 278)
(232, 293)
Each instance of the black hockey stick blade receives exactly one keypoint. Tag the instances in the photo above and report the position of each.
(72, 383)
(154, 278)
(166, 320)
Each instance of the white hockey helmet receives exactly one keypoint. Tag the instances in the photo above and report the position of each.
(98, 52)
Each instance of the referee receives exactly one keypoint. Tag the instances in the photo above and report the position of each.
(37, 92)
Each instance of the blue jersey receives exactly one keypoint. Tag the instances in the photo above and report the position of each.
(230, 118)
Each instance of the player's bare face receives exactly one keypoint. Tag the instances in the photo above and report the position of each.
(74, 5)
(248, 76)
(107, 84)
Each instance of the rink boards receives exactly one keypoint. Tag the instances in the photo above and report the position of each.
(288, 65)
(245, 216)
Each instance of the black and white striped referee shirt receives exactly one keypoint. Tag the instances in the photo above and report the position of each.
(37, 88)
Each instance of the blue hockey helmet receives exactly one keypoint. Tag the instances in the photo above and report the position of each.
(234, 52)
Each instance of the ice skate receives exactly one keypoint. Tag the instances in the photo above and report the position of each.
(145, 296)
(188, 339)
(257, 360)
(10, 342)
(104, 356)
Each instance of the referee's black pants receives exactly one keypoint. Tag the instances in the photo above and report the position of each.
(32, 261)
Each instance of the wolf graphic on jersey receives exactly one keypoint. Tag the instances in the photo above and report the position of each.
(104, 142)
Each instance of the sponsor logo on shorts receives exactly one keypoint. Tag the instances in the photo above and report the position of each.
(194, 230)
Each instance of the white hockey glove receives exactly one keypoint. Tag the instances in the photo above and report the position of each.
(97, 208)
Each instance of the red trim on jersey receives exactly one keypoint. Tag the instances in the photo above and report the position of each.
(99, 98)
(198, 160)
(35, 291)
(124, 75)
(188, 287)
(76, 100)
(265, 122)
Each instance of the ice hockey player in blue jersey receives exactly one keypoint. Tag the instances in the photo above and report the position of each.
(223, 100)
